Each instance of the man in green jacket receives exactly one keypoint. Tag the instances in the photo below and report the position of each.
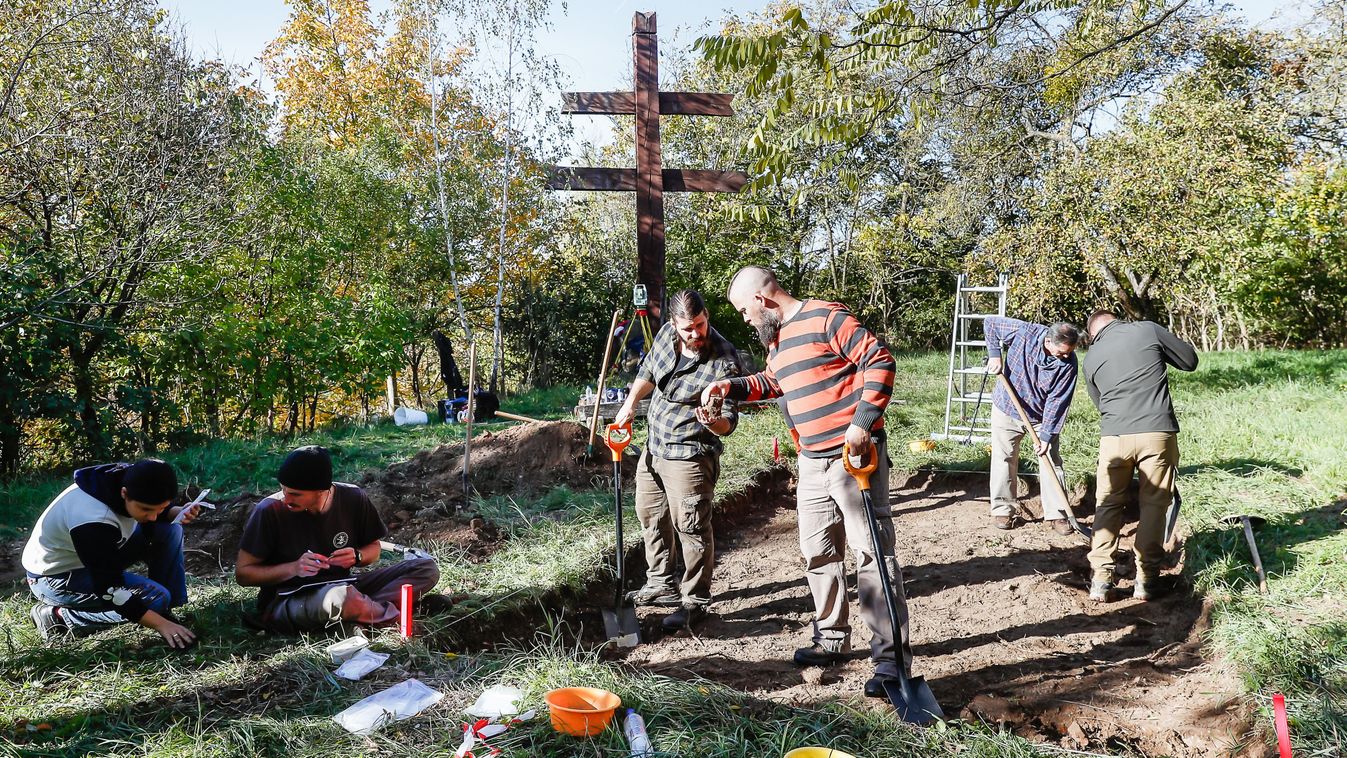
(1126, 373)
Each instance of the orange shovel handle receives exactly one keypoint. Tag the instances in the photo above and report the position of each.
(617, 438)
(862, 473)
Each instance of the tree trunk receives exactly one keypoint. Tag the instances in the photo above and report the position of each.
(91, 429)
(11, 440)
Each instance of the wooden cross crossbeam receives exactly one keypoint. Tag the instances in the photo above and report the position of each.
(649, 180)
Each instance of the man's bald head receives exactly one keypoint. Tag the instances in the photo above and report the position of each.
(1099, 320)
(750, 281)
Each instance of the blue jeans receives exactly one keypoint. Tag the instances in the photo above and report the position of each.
(158, 544)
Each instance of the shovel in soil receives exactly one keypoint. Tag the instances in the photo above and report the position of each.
(911, 696)
(619, 622)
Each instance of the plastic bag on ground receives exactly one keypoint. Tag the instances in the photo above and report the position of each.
(360, 664)
(500, 701)
(401, 701)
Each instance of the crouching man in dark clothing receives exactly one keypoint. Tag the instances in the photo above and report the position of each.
(113, 516)
(300, 545)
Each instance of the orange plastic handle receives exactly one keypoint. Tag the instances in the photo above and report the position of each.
(617, 438)
(862, 473)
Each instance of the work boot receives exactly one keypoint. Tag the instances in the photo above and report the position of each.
(1147, 588)
(666, 597)
(885, 671)
(1061, 526)
(1101, 590)
(686, 616)
(48, 621)
(1003, 522)
(819, 655)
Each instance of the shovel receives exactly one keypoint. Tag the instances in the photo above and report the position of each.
(911, 696)
(1248, 523)
(1046, 470)
(1172, 515)
(598, 398)
(619, 622)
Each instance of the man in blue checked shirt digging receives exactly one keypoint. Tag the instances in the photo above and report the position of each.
(676, 477)
(1040, 363)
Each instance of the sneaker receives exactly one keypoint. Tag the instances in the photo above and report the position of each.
(1147, 589)
(667, 597)
(817, 655)
(48, 621)
(686, 616)
(1003, 522)
(1061, 526)
(1101, 590)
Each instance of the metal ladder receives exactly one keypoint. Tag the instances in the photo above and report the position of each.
(968, 410)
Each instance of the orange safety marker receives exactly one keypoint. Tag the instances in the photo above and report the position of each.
(776, 450)
(406, 611)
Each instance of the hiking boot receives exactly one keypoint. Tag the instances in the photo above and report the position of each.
(666, 597)
(1003, 522)
(48, 621)
(817, 655)
(1101, 590)
(885, 671)
(1147, 589)
(686, 616)
(1061, 526)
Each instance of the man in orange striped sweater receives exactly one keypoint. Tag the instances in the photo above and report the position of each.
(836, 378)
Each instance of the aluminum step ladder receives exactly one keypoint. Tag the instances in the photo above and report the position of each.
(968, 398)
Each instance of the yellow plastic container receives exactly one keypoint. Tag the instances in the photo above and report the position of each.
(581, 711)
(817, 752)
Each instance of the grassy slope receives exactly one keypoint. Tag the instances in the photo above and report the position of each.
(1262, 432)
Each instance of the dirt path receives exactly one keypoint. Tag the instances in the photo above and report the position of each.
(1001, 628)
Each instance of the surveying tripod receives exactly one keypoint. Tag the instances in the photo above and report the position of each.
(639, 301)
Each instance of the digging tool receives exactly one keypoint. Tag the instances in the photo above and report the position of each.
(1248, 523)
(1172, 515)
(603, 376)
(467, 422)
(619, 622)
(911, 696)
(1045, 467)
(515, 417)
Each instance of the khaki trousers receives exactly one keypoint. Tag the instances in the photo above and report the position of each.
(1007, 431)
(673, 499)
(1155, 455)
(831, 513)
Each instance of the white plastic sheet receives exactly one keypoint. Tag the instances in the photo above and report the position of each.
(360, 664)
(401, 701)
(498, 702)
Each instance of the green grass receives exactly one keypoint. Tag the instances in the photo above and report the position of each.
(1263, 433)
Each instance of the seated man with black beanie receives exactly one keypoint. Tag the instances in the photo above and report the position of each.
(300, 545)
(114, 515)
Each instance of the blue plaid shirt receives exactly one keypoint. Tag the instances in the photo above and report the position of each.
(1044, 384)
(674, 431)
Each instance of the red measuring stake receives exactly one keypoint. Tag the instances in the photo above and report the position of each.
(776, 450)
(406, 611)
(1283, 727)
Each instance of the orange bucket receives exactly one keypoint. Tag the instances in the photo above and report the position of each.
(581, 711)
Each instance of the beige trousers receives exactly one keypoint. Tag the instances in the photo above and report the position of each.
(1155, 456)
(1007, 431)
(831, 514)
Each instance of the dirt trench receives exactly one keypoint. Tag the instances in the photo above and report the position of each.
(1001, 628)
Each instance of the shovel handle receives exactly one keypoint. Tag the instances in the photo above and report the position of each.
(862, 472)
(617, 438)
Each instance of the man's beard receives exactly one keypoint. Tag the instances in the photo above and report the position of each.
(768, 328)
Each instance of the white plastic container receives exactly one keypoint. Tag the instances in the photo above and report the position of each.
(342, 651)
(405, 416)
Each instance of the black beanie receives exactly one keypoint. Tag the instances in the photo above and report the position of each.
(150, 481)
(307, 468)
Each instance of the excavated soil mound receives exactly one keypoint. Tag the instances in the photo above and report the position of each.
(1001, 628)
(421, 500)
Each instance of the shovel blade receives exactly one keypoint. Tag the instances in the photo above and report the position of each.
(914, 703)
(621, 626)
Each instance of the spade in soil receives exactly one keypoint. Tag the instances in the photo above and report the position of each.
(619, 622)
(911, 696)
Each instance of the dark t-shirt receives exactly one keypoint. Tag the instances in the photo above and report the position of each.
(275, 535)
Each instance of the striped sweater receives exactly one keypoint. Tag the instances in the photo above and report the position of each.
(831, 372)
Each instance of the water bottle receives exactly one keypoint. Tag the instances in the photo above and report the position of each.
(634, 728)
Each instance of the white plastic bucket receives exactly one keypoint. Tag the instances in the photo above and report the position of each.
(409, 417)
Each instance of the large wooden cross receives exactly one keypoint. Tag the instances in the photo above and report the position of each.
(649, 180)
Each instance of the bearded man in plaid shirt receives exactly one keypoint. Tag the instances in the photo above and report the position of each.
(676, 477)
